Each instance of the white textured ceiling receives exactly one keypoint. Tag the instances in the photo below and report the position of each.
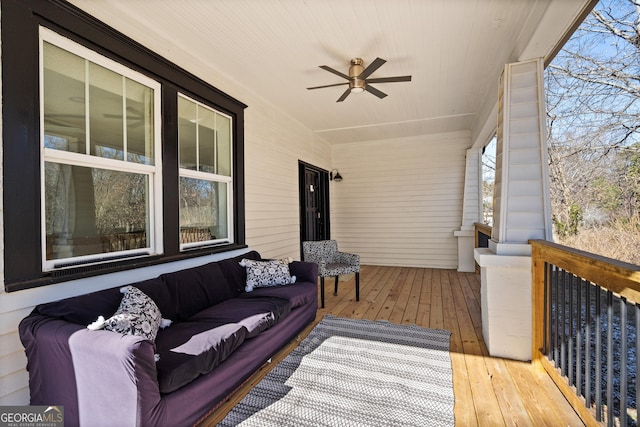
(454, 50)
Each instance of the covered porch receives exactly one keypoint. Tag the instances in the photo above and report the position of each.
(426, 170)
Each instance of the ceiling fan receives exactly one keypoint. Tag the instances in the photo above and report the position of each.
(357, 78)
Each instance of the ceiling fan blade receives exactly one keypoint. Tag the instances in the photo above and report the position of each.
(320, 87)
(336, 72)
(390, 79)
(375, 91)
(344, 95)
(377, 63)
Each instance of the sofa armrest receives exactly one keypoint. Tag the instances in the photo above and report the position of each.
(304, 271)
(49, 362)
(116, 378)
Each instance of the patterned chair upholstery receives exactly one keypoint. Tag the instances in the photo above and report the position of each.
(331, 262)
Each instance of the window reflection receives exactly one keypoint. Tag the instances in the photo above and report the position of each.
(203, 210)
(120, 110)
(91, 210)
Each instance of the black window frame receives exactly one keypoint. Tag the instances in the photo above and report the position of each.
(20, 22)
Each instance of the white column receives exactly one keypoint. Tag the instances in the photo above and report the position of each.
(471, 210)
(520, 212)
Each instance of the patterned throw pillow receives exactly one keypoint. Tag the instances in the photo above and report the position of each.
(137, 315)
(261, 274)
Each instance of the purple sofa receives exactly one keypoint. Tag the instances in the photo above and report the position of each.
(107, 378)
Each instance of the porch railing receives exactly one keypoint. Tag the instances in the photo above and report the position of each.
(585, 323)
(482, 233)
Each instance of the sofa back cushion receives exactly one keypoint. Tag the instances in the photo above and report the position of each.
(178, 295)
(236, 274)
(194, 289)
(85, 309)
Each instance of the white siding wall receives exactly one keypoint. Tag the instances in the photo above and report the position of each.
(400, 200)
(274, 144)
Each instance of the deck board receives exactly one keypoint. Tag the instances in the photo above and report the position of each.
(488, 391)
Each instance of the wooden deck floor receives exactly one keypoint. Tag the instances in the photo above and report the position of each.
(488, 391)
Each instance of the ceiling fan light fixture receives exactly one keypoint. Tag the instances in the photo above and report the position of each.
(357, 85)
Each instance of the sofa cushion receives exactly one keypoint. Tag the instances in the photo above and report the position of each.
(137, 315)
(256, 315)
(235, 274)
(297, 294)
(266, 273)
(195, 289)
(188, 350)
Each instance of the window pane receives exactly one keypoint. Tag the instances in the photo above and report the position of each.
(64, 100)
(65, 109)
(206, 139)
(203, 210)
(139, 123)
(187, 133)
(92, 211)
(105, 106)
(223, 127)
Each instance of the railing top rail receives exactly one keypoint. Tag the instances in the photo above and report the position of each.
(485, 228)
(620, 277)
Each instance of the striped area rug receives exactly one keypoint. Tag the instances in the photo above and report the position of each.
(356, 373)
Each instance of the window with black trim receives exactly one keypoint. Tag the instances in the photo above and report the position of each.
(100, 157)
(104, 167)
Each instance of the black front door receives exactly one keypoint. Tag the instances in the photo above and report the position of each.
(314, 203)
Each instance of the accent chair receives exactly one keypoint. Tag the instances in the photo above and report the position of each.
(331, 263)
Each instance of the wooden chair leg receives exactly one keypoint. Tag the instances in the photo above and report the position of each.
(357, 286)
(335, 289)
(322, 291)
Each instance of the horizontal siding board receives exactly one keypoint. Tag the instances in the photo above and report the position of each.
(261, 221)
(13, 382)
(524, 110)
(523, 157)
(530, 188)
(9, 319)
(525, 220)
(525, 204)
(12, 362)
(9, 343)
(525, 141)
(19, 397)
(525, 126)
(526, 79)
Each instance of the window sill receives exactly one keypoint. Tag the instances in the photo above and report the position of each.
(92, 270)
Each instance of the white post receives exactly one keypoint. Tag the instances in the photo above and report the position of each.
(471, 210)
(520, 212)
